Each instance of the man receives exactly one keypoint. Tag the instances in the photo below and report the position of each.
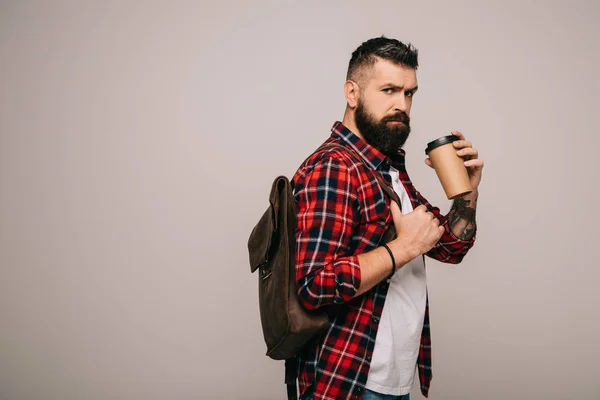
(371, 351)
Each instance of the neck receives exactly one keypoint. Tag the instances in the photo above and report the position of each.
(348, 122)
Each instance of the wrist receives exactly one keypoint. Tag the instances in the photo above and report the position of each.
(394, 266)
(403, 252)
(472, 196)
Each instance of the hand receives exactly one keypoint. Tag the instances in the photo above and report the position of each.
(469, 153)
(418, 231)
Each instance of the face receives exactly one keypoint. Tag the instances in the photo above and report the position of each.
(383, 107)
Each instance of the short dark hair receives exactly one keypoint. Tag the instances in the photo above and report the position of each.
(367, 54)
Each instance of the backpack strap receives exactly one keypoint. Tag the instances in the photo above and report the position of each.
(291, 374)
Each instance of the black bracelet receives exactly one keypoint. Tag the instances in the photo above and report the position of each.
(393, 260)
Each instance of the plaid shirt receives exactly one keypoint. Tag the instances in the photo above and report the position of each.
(342, 212)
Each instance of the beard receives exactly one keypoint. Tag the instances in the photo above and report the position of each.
(386, 138)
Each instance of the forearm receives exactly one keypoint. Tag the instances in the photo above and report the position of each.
(461, 218)
(460, 228)
(376, 265)
(325, 282)
(348, 277)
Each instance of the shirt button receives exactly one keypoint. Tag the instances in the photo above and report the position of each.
(376, 320)
(368, 358)
(388, 280)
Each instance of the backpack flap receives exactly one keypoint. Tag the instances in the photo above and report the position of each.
(261, 238)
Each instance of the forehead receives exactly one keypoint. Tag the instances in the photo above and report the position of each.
(386, 72)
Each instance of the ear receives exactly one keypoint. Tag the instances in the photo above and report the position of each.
(352, 92)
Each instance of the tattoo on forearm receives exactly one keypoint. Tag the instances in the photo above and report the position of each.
(461, 218)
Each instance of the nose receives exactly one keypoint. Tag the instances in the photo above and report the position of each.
(400, 104)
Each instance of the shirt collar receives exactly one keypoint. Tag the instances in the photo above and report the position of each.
(372, 156)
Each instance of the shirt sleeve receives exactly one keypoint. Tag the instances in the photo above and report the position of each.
(327, 207)
(449, 249)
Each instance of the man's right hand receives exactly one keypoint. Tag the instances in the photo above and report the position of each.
(417, 232)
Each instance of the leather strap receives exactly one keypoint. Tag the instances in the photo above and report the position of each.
(291, 373)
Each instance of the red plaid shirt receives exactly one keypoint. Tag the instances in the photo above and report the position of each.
(342, 212)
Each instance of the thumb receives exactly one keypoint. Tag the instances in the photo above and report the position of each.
(396, 213)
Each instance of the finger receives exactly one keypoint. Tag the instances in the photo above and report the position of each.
(421, 208)
(460, 144)
(458, 134)
(441, 231)
(396, 213)
(474, 163)
(469, 151)
(428, 162)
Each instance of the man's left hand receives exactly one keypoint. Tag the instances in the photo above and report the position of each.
(470, 154)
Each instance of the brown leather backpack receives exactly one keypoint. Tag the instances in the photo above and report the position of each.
(287, 325)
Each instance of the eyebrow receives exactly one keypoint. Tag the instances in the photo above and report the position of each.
(396, 87)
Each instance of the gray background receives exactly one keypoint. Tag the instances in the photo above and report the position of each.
(138, 142)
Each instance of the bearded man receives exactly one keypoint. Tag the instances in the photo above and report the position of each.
(379, 333)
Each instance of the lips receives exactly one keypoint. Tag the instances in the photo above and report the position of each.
(398, 118)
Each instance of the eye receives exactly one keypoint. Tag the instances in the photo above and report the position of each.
(388, 91)
(409, 94)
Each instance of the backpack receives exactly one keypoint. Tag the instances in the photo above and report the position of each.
(287, 325)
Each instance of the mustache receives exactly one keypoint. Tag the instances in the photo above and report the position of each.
(401, 117)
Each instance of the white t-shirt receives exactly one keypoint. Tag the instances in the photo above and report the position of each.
(394, 359)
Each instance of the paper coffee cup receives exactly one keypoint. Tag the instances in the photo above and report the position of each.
(449, 166)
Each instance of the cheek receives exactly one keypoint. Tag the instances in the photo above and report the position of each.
(408, 106)
(386, 106)
(378, 107)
